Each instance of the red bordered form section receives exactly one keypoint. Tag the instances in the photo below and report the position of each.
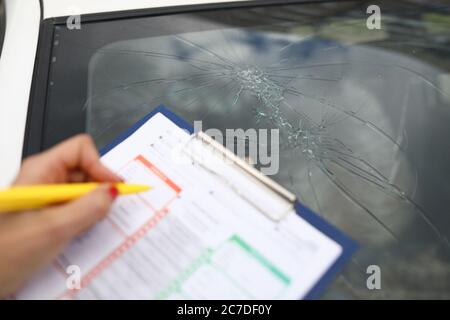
(131, 218)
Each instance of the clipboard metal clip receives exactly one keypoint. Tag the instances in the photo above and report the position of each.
(264, 194)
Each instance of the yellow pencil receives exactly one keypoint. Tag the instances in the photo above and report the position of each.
(38, 196)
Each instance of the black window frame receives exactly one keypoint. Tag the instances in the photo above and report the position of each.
(2, 24)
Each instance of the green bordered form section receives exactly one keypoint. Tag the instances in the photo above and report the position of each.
(206, 259)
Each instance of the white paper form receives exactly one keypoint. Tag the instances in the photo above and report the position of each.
(193, 236)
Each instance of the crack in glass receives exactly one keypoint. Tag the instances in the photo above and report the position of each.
(293, 83)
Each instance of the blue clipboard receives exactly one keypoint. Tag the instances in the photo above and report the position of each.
(349, 246)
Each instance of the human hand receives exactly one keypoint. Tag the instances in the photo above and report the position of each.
(30, 240)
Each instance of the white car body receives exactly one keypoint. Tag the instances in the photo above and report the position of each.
(18, 58)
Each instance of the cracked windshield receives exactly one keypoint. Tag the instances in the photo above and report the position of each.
(363, 115)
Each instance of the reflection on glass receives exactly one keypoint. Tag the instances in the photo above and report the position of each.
(362, 116)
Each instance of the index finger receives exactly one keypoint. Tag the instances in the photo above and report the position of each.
(56, 164)
(80, 153)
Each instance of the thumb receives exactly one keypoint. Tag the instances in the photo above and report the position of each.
(69, 220)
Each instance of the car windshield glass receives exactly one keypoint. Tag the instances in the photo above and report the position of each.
(363, 114)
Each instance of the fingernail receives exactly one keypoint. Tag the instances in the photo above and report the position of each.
(113, 192)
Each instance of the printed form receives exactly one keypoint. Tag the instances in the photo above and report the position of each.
(193, 236)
